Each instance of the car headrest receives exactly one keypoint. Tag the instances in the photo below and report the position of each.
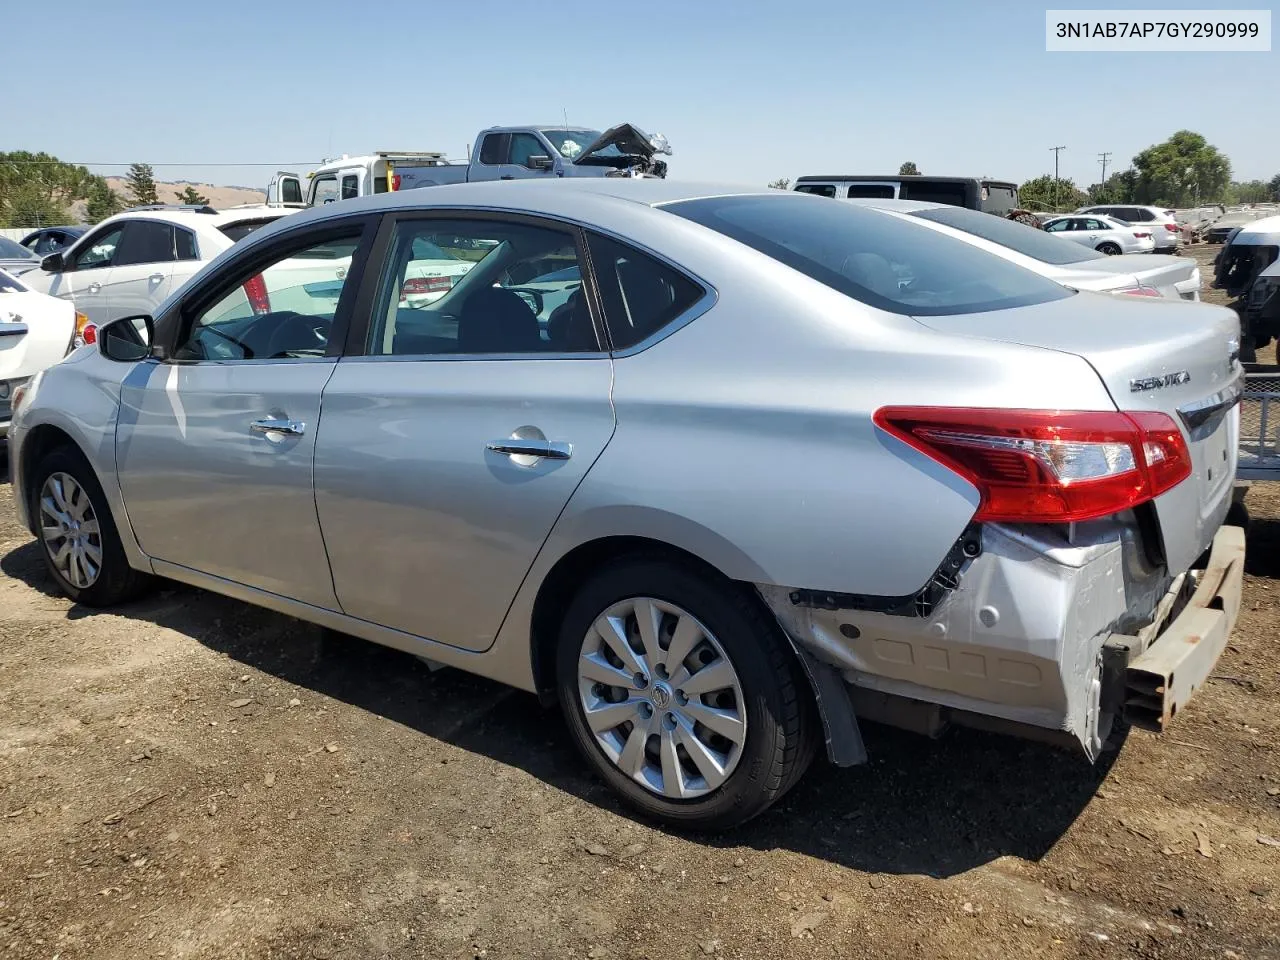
(494, 320)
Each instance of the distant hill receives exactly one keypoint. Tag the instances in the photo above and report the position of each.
(218, 196)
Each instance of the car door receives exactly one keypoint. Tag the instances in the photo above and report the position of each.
(141, 273)
(523, 147)
(83, 280)
(214, 446)
(452, 441)
(489, 162)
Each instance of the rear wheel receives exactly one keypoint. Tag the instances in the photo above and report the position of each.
(78, 537)
(683, 694)
(1109, 248)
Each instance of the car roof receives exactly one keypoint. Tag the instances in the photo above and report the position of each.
(196, 220)
(905, 206)
(905, 177)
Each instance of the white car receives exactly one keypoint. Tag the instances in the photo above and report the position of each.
(1175, 278)
(35, 332)
(130, 263)
(1164, 228)
(1104, 234)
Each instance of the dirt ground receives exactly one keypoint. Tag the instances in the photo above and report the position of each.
(192, 777)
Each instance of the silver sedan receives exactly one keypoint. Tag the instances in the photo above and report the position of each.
(720, 471)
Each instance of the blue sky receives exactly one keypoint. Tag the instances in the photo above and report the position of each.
(745, 91)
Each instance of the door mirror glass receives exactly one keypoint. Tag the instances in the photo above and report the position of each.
(539, 161)
(127, 339)
(52, 263)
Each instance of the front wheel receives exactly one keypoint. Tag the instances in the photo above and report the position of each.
(683, 694)
(1109, 248)
(78, 537)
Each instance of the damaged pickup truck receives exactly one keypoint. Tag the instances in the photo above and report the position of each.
(721, 473)
(1248, 268)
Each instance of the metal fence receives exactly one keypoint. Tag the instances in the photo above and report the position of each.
(1260, 426)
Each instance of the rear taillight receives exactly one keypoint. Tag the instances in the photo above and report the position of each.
(421, 286)
(86, 332)
(256, 290)
(395, 181)
(1048, 466)
(1141, 236)
(1171, 227)
(1140, 291)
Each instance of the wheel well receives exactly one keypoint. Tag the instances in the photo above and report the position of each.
(40, 442)
(568, 573)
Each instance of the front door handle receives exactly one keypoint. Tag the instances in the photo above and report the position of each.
(95, 287)
(506, 176)
(156, 278)
(543, 449)
(292, 428)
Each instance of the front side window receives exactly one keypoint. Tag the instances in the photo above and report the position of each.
(350, 187)
(524, 146)
(1019, 237)
(481, 287)
(640, 294)
(324, 190)
(145, 241)
(290, 190)
(283, 310)
(99, 251)
(881, 260)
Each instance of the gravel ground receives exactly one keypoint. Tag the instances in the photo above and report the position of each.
(192, 777)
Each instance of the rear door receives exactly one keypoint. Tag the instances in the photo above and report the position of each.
(141, 273)
(450, 446)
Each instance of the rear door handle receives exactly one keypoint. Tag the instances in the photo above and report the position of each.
(94, 287)
(292, 428)
(156, 278)
(506, 177)
(543, 449)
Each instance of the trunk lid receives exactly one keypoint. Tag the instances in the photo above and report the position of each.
(1179, 359)
(1172, 276)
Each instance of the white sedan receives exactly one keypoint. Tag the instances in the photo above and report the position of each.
(1104, 234)
(35, 332)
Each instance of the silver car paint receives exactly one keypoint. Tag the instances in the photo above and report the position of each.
(789, 417)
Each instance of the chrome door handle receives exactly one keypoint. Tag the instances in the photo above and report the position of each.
(544, 449)
(95, 287)
(292, 428)
(156, 278)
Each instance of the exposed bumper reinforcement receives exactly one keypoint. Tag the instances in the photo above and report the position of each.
(1161, 680)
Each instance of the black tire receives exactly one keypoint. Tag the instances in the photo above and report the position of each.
(781, 733)
(1109, 248)
(116, 581)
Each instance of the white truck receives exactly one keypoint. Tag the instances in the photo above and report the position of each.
(499, 153)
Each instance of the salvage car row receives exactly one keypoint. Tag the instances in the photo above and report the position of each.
(719, 470)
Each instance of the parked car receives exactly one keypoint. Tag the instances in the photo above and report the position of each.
(35, 331)
(1051, 256)
(1164, 228)
(49, 240)
(500, 153)
(129, 263)
(15, 258)
(791, 463)
(1104, 234)
(977, 193)
(1249, 254)
(1262, 307)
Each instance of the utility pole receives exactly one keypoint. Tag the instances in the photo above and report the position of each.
(1103, 158)
(1056, 151)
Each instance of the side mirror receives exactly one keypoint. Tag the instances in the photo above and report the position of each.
(539, 161)
(128, 339)
(52, 263)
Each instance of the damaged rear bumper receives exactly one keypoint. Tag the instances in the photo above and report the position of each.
(1034, 633)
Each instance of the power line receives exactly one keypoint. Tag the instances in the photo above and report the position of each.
(129, 163)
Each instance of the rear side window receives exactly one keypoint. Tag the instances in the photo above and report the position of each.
(884, 261)
(145, 241)
(494, 149)
(818, 189)
(1038, 244)
(185, 244)
(872, 191)
(935, 191)
(235, 232)
(640, 294)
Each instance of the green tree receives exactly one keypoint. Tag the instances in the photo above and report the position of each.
(142, 185)
(909, 169)
(1274, 185)
(1042, 193)
(1250, 191)
(1121, 187)
(192, 196)
(36, 189)
(782, 183)
(102, 201)
(1184, 170)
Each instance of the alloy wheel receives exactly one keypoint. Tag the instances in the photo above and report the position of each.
(662, 698)
(70, 530)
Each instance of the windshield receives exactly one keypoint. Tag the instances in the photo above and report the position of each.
(887, 262)
(9, 285)
(1028, 241)
(14, 251)
(571, 143)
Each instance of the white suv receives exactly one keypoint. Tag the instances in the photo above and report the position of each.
(129, 263)
(1164, 228)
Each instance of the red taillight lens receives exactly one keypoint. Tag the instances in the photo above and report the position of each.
(256, 290)
(1171, 227)
(395, 181)
(89, 334)
(1140, 291)
(1141, 236)
(421, 286)
(1048, 466)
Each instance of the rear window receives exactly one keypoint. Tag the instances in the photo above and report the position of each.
(235, 232)
(877, 259)
(1018, 237)
(817, 189)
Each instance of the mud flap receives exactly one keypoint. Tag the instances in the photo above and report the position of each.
(839, 724)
